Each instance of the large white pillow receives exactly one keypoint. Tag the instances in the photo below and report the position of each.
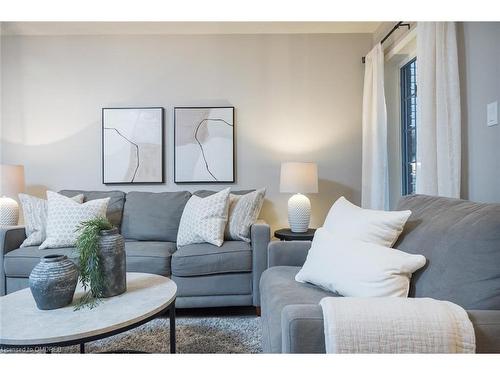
(354, 268)
(350, 221)
(243, 212)
(35, 218)
(64, 217)
(204, 219)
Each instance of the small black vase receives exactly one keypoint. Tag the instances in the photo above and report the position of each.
(53, 282)
(113, 262)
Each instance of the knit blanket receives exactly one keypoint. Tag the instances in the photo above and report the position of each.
(396, 325)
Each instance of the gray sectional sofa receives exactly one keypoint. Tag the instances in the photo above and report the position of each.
(206, 275)
(461, 241)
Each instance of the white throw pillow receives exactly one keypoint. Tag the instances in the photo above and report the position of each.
(354, 268)
(350, 221)
(204, 219)
(243, 212)
(64, 217)
(35, 218)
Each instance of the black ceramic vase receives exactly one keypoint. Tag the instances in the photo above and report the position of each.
(53, 282)
(113, 262)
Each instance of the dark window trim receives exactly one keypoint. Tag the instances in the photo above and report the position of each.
(405, 124)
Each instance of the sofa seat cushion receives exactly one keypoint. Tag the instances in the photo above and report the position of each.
(207, 259)
(142, 256)
(228, 284)
(278, 289)
(20, 262)
(149, 256)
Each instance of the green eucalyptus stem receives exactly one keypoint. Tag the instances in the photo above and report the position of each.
(91, 274)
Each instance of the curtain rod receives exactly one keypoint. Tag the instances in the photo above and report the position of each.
(397, 26)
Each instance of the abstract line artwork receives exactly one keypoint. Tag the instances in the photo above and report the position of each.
(204, 144)
(132, 145)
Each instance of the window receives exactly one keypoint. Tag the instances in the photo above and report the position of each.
(409, 125)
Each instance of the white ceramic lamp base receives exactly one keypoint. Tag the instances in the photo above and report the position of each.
(299, 213)
(9, 211)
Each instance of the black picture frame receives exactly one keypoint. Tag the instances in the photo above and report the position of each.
(162, 110)
(233, 180)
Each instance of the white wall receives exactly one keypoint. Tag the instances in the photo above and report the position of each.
(297, 97)
(479, 59)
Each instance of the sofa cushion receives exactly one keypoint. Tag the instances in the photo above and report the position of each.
(214, 285)
(20, 262)
(114, 212)
(153, 216)
(149, 256)
(461, 241)
(142, 256)
(207, 259)
(278, 289)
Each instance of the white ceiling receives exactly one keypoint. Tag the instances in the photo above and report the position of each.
(155, 28)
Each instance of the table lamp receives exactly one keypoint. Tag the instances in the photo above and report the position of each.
(299, 178)
(12, 183)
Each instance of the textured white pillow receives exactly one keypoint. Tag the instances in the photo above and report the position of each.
(204, 219)
(354, 268)
(243, 212)
(64, 217)
(350, 221)
(35, 218)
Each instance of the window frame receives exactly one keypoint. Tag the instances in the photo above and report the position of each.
(404, 123)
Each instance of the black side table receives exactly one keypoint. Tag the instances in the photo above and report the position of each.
(286, 234)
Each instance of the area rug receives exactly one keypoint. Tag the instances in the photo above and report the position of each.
(195, 334)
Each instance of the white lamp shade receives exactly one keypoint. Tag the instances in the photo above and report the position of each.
(12, 180)
(299, 177)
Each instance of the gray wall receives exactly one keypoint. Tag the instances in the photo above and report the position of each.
(297, 97)
(479, 59)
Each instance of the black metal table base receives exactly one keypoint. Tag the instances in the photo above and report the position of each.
(48, 347)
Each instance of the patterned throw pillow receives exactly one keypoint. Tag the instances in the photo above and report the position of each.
(35, 218)
(204, 219)
(243, 212)
(65, 215)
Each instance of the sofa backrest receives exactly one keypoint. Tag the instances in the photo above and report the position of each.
(461, 241)
(153, 216)
(115, 205)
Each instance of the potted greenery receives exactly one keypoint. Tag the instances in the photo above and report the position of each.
(102, 261)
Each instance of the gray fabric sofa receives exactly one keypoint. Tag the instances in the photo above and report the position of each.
(461, 241)
(206, 275)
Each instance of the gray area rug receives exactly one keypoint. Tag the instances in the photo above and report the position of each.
(195, 334)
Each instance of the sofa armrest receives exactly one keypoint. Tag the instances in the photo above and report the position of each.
(287, 253)
(260, 235)
(11, 237)
(302, 329)
(487, 329)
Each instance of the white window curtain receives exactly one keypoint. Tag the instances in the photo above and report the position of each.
(438, 110)
(374, 187)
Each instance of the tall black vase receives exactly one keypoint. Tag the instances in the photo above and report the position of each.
(113, 262)
(53, 282)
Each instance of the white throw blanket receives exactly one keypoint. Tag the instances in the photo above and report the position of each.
(396, 325)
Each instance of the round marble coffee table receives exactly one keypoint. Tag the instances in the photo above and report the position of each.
(22, 325)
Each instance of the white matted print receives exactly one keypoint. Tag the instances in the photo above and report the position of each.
(132, 145)
(204, 144)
